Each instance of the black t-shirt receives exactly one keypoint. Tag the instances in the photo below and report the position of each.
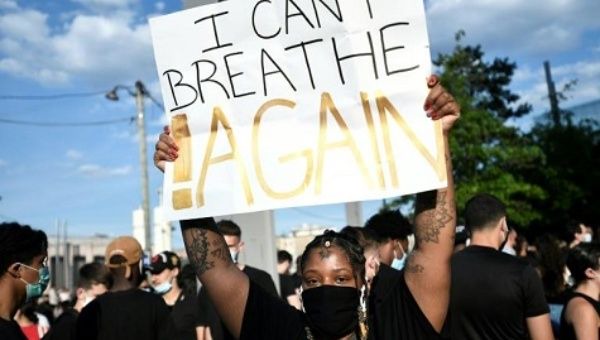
(492, 294)
(128, 315)
(266, 317)
(394, 312)
(10, 330)
(567, 332)
(184, 318)
(261, 278)
(288, 285)
(208, 316)
(64, 327)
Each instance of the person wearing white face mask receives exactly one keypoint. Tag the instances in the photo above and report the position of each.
(494, 295)
(166, 280)
(94, 280)
(394, 232)
(580, 317)
(23, 273)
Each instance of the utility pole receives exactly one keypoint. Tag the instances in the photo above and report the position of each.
(140, 93)
(554, 110)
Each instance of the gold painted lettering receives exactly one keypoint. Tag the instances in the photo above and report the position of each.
(385, 105)
(220, 118)
(327, 105)
(306, 154)
(364, 98)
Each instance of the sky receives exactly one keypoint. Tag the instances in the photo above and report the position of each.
(77, 50)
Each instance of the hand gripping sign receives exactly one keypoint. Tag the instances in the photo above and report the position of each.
(279, 103)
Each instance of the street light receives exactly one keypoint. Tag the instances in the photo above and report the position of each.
(139, 93)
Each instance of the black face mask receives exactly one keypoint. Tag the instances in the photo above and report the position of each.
(331, 311)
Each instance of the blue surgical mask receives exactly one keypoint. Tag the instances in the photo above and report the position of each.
(35, 290)
(163, 288)
(398, 263)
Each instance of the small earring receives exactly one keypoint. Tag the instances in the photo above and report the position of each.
(363, 299)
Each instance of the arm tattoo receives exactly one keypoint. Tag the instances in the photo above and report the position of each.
(414, 268)
(202, 252)
(196, 245)
(432, 219)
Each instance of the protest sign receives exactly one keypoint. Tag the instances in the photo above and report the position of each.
(279, 103)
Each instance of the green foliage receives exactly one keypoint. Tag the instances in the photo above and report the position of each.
(570, 173)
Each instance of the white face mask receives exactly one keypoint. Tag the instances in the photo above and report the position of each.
(587, 238)
(234, 255)
(398, 263)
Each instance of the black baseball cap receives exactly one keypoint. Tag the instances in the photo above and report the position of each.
(164, 260)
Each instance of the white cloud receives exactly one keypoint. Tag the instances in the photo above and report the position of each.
(8, 4)
(513, 26)
(74, 154)
(105, 4)
(159, 6)
(96, 171)
(531, 84)
(101, 50)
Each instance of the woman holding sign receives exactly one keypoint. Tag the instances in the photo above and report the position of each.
(411, 304)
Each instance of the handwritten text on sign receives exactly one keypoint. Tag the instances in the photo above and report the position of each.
(278, 103)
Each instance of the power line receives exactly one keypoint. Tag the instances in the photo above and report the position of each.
(67, 124)
(51, 96)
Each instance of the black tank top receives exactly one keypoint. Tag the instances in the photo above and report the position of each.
(567, 332)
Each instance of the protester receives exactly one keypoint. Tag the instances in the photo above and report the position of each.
(94, 280)
(510, 246)
(392, 229)
(23, 273)
(28, 321)
(577, 234)
(369, 241)
(288, 284)
(494, 295)
(411, 304)
(551, 265)
(460, 239)
(125, 312)
(167, 281)
(580, 318)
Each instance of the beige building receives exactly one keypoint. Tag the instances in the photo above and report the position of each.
(298, 238)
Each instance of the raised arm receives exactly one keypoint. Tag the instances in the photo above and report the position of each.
(207, 251)
(428, 271)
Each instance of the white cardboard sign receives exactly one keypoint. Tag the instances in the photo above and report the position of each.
(279, 103)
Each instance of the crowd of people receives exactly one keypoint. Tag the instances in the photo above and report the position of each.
(393, 278)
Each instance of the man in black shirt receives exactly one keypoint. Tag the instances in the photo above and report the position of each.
(494, 295)
(94, 280)
(126, 312)
(288, 284)
(23, 274)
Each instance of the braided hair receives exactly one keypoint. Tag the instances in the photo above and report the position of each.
(348, 244)
(354, 253)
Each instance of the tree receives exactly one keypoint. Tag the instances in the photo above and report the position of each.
(570, 173)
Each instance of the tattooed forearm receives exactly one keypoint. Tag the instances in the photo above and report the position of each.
(204, 249)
